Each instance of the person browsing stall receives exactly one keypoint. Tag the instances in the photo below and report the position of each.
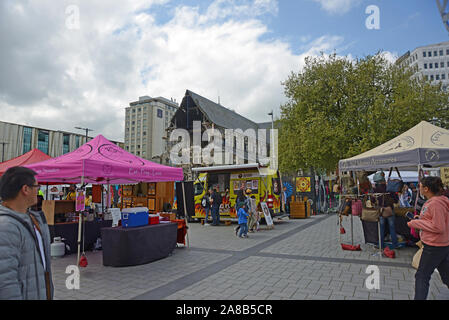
(433, 223)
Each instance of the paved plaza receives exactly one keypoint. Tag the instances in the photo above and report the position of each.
(297, 260)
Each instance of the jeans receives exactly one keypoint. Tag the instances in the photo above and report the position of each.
(432, 258)
(215, 215)
(394, 237)
(243, 229)
(207, 213)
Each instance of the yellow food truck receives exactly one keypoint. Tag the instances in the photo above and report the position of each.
(263, 182)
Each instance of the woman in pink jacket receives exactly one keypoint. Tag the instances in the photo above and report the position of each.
(433, 223)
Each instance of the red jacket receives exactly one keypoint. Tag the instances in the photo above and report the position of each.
(434, 222)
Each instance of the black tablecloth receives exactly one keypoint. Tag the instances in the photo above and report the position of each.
(371, 232)
(69, 231)
(134, 246)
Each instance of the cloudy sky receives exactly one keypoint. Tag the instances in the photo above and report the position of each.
(81, 62)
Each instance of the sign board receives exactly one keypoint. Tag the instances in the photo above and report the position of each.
(303, 184)
(266, 213)
(116, 216)
(80, 197)
(444, 172)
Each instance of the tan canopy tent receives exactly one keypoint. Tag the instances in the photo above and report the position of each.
(422, 145)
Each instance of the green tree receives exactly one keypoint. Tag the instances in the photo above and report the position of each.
(338, 108)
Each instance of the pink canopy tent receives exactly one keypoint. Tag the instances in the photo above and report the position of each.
(100, 161)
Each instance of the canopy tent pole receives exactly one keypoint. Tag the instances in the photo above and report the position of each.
(79, 222)
(185, 213)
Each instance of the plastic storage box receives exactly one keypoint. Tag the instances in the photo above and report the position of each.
(153, 219)
(134, 217)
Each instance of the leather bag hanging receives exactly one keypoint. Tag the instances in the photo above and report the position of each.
(394, 185)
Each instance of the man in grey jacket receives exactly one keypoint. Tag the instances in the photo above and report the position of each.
(25, 266)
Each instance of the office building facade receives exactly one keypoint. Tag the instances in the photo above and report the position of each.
(430, 62)
(17, 139)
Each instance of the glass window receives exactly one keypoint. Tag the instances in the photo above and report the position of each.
(437, 77)
(159, 113)
(441, 52)
(65, 143)
(441, 64)
(426, 77)
(436, 65)
(443, 76)
(430, 53)
(424, 54)
(431, 77)
(42, 141)
(430, 65)
(138, 109)
(27, 133)
(435, 53)
(425, 65)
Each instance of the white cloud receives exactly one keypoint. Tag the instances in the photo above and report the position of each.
(338, 6)
(57, 78)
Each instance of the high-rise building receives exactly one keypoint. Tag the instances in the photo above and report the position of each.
(146, 122)
(430, 62)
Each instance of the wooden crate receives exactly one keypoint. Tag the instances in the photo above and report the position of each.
(299, 210)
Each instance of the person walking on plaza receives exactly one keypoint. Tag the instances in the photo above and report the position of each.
(216, 202)
(239, 202)
(25, 266)
(206, 203)
(433, 223)
(243, 221)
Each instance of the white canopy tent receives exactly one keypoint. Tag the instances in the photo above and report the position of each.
(424, 145)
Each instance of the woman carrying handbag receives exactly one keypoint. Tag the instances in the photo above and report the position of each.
(433, 223)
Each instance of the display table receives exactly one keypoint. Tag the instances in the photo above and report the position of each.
(371, 233)
(124, 247)
(69, 231)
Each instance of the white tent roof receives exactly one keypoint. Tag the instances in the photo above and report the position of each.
(424, 144)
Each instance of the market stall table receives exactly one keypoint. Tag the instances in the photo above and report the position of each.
(124, 247)
(69, 231)
(371, 233)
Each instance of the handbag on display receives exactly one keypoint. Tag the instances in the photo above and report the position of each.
(356, 207)
(394, 185)
(386, 212)
(370, 214)
(379, 177)
(345, 209)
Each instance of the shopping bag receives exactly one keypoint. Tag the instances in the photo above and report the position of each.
(417, 257)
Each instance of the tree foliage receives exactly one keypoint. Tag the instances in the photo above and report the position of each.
(338, 108)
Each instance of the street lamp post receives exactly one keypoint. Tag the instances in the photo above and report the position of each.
(3, 149)
(86, 129)
(271, 135)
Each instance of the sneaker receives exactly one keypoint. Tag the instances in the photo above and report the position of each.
(236, 231)
(206, 224)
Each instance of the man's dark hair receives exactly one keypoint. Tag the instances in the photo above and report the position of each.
(13, 180)
(434, 184)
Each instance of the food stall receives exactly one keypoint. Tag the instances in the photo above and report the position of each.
(101, 162)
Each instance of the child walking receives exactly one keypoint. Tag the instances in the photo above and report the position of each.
(243, 221)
